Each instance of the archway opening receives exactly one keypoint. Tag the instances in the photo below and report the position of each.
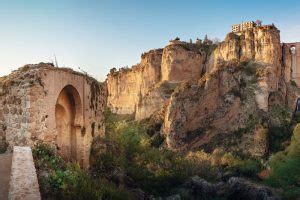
(293, 49)
(68, 121)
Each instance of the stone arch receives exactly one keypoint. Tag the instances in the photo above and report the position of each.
(68, 116)
(293, 49)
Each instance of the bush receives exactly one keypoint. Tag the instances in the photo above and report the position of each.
(293, 83)
(286, 175)
(280, 127)
(60, 180)
(248, 168)
(133, 152)
(285, 171)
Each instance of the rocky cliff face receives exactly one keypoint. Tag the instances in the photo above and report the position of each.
(179, 63)
(126, 86)
(141, 90)
(225, 97)
(220, 107)
(233, 105)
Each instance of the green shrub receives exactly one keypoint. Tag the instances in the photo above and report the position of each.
(247, 167)
(60, 180)
(132, 151)
(281, 131)
(286, 175)
(293, 83)
(285, 171)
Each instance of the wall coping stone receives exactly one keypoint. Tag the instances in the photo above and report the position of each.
(23, 181)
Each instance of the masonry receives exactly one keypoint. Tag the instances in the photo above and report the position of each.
(58, 106)
(292, 58)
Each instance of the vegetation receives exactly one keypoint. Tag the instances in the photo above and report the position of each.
(156, 171)
(285, 171)
(61, 180)
(280, 127)
(293, 83)
(133, 157)
(131, 160)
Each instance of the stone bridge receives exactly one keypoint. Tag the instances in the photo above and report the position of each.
(58, 106)
(292, 58)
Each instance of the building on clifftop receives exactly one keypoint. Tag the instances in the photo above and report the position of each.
(243, 26)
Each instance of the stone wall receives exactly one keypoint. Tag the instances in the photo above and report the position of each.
(292, 60)
(31, 106)
(23, 182)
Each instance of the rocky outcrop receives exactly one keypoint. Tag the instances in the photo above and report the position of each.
(261, 44)
(141, 91)
(155, 99)
(230, 103)
(200, 111)
(213, 95)
(234, 188)
(127, 86)
(181, 63)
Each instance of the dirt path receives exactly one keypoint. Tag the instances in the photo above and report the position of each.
(5, 165)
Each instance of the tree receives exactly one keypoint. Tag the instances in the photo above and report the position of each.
(112, 70)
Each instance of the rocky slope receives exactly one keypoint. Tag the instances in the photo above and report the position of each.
(225, 95)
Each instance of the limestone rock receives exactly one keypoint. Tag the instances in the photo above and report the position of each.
(181, 64)
(137, 91)
(127, 86)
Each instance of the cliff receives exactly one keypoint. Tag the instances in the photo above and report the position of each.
(224, 95)
(137, 91)
(126, 86)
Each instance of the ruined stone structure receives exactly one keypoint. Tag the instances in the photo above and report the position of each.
(42, 103)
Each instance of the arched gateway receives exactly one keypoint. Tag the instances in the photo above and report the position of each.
(55, 106)
(68, 115)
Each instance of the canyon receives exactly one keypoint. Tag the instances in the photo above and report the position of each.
(201, 95)
(205, 98)
(212, 95)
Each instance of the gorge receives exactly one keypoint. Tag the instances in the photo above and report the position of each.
(199, 120)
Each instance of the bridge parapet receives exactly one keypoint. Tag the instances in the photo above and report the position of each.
(23, 181)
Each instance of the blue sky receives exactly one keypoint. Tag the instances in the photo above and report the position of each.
(98, 35)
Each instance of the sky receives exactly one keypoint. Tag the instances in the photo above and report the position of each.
(96, 35)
